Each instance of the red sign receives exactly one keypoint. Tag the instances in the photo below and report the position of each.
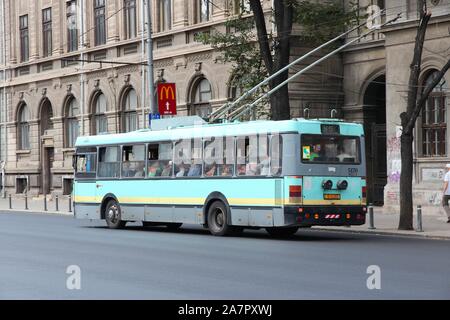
(167, 101)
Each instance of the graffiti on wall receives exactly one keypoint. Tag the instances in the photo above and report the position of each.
(394, 162)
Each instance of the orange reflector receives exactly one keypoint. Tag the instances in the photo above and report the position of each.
(316, 216)
(307, 216)
(348, 216)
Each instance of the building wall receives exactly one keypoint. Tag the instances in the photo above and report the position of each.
(177, 58)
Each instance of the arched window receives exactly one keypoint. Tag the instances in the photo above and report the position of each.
(434, 123)
(129, 114)
(72, 122)
(202, 97)
(46, 117)
(24, 128)
(101, 121)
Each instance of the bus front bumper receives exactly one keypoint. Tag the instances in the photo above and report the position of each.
(306, 216)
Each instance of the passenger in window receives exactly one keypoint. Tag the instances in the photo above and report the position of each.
(167, 171)
(139, 171)
(195, 170)
(155, 170)
(181, 170)
(264, 166)
(126, 170)
(251, 169)
(227, 170)
(211, 171)
(241, 170)
(343, 155)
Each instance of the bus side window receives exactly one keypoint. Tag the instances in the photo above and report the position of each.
(85, 165)
(165, 154)
(219, 157)
(109, 162)
(276, 151)
(133, 161)
(195, 169)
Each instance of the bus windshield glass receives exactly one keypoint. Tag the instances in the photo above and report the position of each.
(330, 149)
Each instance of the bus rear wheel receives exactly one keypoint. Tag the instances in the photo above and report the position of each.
(113, 215)
(217, 219)
(282, 231)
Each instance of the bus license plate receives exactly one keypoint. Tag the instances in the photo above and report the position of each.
(332, 196)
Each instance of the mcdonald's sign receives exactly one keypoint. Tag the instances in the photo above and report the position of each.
(167, 101)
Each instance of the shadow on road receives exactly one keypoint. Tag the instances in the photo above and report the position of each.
(302, 235)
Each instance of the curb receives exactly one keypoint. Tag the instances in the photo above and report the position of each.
(387, 233)
(59, 213)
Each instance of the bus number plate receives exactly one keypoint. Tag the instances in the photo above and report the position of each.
(332, 196)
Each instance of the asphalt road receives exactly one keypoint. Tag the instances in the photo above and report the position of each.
(138, 263)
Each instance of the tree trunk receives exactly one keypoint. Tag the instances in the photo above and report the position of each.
(406, 180)
(279, 101)
(406, 140)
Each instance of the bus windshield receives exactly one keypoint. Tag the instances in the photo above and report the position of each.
(330, 149)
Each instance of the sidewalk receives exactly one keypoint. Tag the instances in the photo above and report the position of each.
(434, 226)
(36, 204)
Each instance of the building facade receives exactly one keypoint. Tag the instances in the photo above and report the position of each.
(48, 96)
(52, 92)
(376, 74)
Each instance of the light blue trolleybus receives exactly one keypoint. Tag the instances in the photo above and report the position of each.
(277, 175)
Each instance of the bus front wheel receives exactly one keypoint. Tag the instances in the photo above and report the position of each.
(282, 231)
(217, 219)
(113, 215)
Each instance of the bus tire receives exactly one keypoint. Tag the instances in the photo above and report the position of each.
(282, 231)
(113, 215)
(173, 226)
(217, 219)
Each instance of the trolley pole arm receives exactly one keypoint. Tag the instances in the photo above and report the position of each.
(240, 111)
(226, 107)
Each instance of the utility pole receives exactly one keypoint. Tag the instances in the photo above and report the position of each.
(150, 77)
(82, 80)
(143, 15)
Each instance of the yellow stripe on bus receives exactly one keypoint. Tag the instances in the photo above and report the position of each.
(201, 201)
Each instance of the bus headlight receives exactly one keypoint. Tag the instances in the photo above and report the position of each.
(342, 185)
(327, 184)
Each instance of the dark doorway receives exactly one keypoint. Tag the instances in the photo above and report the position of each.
(47, 150)
(374, 109)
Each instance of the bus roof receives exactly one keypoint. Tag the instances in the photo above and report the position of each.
(299, 125)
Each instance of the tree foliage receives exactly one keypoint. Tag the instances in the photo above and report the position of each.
(238, 45)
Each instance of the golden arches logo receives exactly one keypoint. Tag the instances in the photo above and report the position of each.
(168, 91)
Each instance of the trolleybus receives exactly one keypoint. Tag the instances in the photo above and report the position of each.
(277, 175)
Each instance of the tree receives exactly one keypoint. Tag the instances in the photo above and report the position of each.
(252, 63)
(415, 102)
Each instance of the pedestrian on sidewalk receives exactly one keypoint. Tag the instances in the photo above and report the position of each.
(446, 192)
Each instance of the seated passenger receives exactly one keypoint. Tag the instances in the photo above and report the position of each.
(167, 171)
(251, 169)
(241, 170)
(139, 171)
(195, 170)
(154, 170)
(227, 170)
(211, 171)
(181, 170)
(264, 166)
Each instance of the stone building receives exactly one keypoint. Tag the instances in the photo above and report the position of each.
(376, 73)
(48, 97)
